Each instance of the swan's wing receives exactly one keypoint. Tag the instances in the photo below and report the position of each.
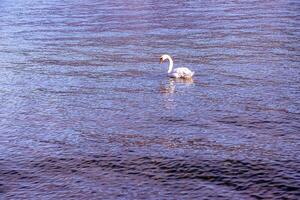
(183, 72)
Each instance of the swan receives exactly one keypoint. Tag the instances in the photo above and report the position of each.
(181, 72)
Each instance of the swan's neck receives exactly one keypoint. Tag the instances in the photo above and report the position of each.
(170, 64)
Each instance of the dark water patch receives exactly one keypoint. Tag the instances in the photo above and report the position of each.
(254, 178)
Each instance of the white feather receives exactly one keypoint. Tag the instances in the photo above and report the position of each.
(181, 72)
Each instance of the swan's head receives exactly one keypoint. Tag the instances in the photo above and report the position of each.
(163, 58)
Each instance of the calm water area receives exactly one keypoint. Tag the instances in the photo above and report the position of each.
(87, 111)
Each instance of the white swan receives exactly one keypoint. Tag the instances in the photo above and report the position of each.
(181, 72)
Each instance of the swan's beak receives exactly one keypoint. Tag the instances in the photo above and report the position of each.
(160, 60)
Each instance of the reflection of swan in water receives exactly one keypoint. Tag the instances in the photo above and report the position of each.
(169, 87)
(181, 72)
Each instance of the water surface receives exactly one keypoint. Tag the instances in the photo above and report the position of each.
(88, 112)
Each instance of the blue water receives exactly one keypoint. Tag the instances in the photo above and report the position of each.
(87, 111)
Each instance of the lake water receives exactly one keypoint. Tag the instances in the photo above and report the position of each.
(87, 111)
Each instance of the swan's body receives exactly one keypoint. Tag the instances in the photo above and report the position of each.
(181, 72)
